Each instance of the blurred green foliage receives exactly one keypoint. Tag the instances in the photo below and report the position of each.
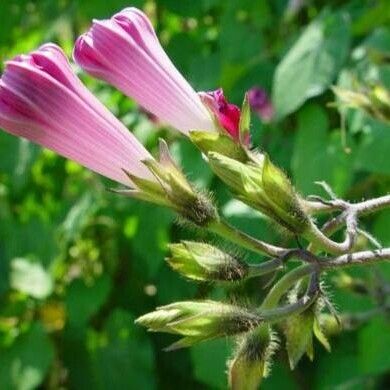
(78, 263)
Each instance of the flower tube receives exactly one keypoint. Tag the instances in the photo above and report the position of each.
(42, 100)
(125, 52)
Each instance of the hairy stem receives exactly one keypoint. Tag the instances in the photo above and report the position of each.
(320, 240)
(285, 283)
(230, 233)
(264, 268)
(365, 207)
(292, 277)
(357, 258)
(282, 312)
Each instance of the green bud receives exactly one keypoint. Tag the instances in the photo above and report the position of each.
(199, 320)
(261, 185)
(208, 141)
(252, 359)
(173, 190)
(201, 261)
(280, 190)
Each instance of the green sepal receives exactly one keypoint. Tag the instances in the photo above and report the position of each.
(208, 141)
(318, 332)
(298, 331)
(245, 122)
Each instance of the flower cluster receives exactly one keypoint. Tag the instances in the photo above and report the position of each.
(42, 100)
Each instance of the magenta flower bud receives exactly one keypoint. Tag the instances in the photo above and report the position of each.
(125, 52)
(226, 114)
(260, 103)
(41, 99)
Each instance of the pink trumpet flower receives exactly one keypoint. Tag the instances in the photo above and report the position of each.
(41, 99)
(125, 52)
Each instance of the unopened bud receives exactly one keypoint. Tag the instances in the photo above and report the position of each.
(263, 186)
(174, 190)
(252, 359)
(199, 320)
(201, 261)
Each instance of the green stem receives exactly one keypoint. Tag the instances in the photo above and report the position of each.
(228, 232)
(264, 268)
(282, 312)
(284, 284)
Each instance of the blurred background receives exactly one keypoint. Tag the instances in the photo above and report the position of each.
(78, 264)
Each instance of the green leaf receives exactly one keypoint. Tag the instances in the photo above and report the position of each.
(78, 217)
(211, 371)
(372, 152)
(312, 63)
(30, 278)
(83, 301)
(125, 360)
(24, 364)
(152, 235)
(339, 369)
(374, 339)
(319, 155)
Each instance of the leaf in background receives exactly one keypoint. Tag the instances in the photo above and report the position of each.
(281, 378)
(374, 341)
(34, 237)
(312, 62)
(78, 217)
(183, 8)
(125, 360)
(209, 360)
(24, 364)
(30, 278)
(83, 301)
(372, 154)
(319, 155)
(339, 369)
(151, 236)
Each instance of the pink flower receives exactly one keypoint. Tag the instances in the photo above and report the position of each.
(227, 114)
(42, 100)
(260, 103)
(125, 52)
